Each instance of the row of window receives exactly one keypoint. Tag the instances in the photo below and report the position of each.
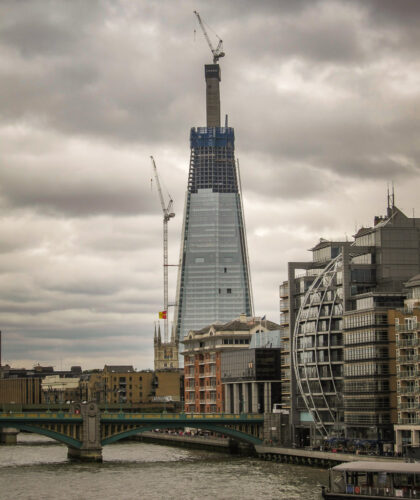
(365, 336)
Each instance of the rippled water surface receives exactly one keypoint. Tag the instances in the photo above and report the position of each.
(38, 468)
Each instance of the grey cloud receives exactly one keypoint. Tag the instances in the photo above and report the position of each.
(324, 100)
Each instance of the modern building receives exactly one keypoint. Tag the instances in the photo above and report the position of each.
(251, 380)
(406, 323)
(202, 357)
(337, 356)
(213, 279)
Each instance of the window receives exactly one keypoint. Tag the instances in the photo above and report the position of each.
(225, 270)
(229, 290)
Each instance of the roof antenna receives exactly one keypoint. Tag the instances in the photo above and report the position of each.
(226, 121)
(393, 196)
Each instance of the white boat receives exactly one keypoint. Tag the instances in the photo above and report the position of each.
(373, 480)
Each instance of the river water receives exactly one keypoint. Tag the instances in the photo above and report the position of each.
(38, 468)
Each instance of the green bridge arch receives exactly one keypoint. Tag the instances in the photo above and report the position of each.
(57, 436)
(220, 429)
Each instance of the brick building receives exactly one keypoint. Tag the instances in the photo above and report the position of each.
(202, 359)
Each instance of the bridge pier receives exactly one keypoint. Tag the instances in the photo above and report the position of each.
(91, 449)
(8, 435)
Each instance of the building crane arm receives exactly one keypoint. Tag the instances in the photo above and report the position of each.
(218, 51)
(166, 210)
(162, 202)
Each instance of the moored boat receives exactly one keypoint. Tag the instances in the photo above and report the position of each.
(373, 480)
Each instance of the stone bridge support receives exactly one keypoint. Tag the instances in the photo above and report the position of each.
(91, 449)
(8, 435)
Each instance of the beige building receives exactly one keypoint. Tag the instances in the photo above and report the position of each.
(20, 390)
(169, 384)
(56, 389)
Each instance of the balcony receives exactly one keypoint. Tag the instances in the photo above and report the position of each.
(408, 374)
(411, 358)
(406, 421)
(284, 305)
(408, 390)
(407, 342)
(412, 405)
(411, 327)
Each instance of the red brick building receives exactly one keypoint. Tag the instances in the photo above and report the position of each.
(202, 360)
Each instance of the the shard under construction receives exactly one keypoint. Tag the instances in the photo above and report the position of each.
(214, 280)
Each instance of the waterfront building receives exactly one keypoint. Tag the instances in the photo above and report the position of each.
(122, 384)
(337, 356)
(202, 359)
(213, 278)
(24, 386)
(406, 324)
(251, 380)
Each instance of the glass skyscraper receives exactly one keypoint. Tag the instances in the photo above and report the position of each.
(213, 279)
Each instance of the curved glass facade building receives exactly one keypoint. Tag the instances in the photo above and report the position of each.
(317, 347)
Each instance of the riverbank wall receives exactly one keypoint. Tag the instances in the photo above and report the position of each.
(324, 459)
(209, 443)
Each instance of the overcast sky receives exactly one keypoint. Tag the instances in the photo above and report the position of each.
(324, 97)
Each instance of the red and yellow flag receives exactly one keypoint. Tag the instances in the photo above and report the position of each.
(162, 314)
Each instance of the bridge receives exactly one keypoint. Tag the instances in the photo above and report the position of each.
(85, 429)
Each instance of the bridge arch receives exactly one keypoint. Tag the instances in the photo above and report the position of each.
(57, 436)
(220, 429)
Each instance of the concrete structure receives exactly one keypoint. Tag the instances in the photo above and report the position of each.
(335, 333)
(213, 279)
(202, 357)
(406, 323)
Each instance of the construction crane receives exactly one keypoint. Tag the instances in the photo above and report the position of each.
(167, 215)
(218, 51)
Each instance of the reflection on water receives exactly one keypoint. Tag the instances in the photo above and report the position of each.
(37, 468)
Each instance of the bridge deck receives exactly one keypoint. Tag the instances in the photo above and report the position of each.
(183, 418)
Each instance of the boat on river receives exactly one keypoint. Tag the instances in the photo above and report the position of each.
(374, 480)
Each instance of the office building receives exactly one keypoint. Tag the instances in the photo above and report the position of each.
(213, 278)
(406, 324)
(337, 357)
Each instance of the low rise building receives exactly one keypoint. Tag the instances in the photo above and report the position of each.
(56, 389)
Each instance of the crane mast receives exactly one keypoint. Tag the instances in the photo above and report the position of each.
(167, 215)
(218, 51)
